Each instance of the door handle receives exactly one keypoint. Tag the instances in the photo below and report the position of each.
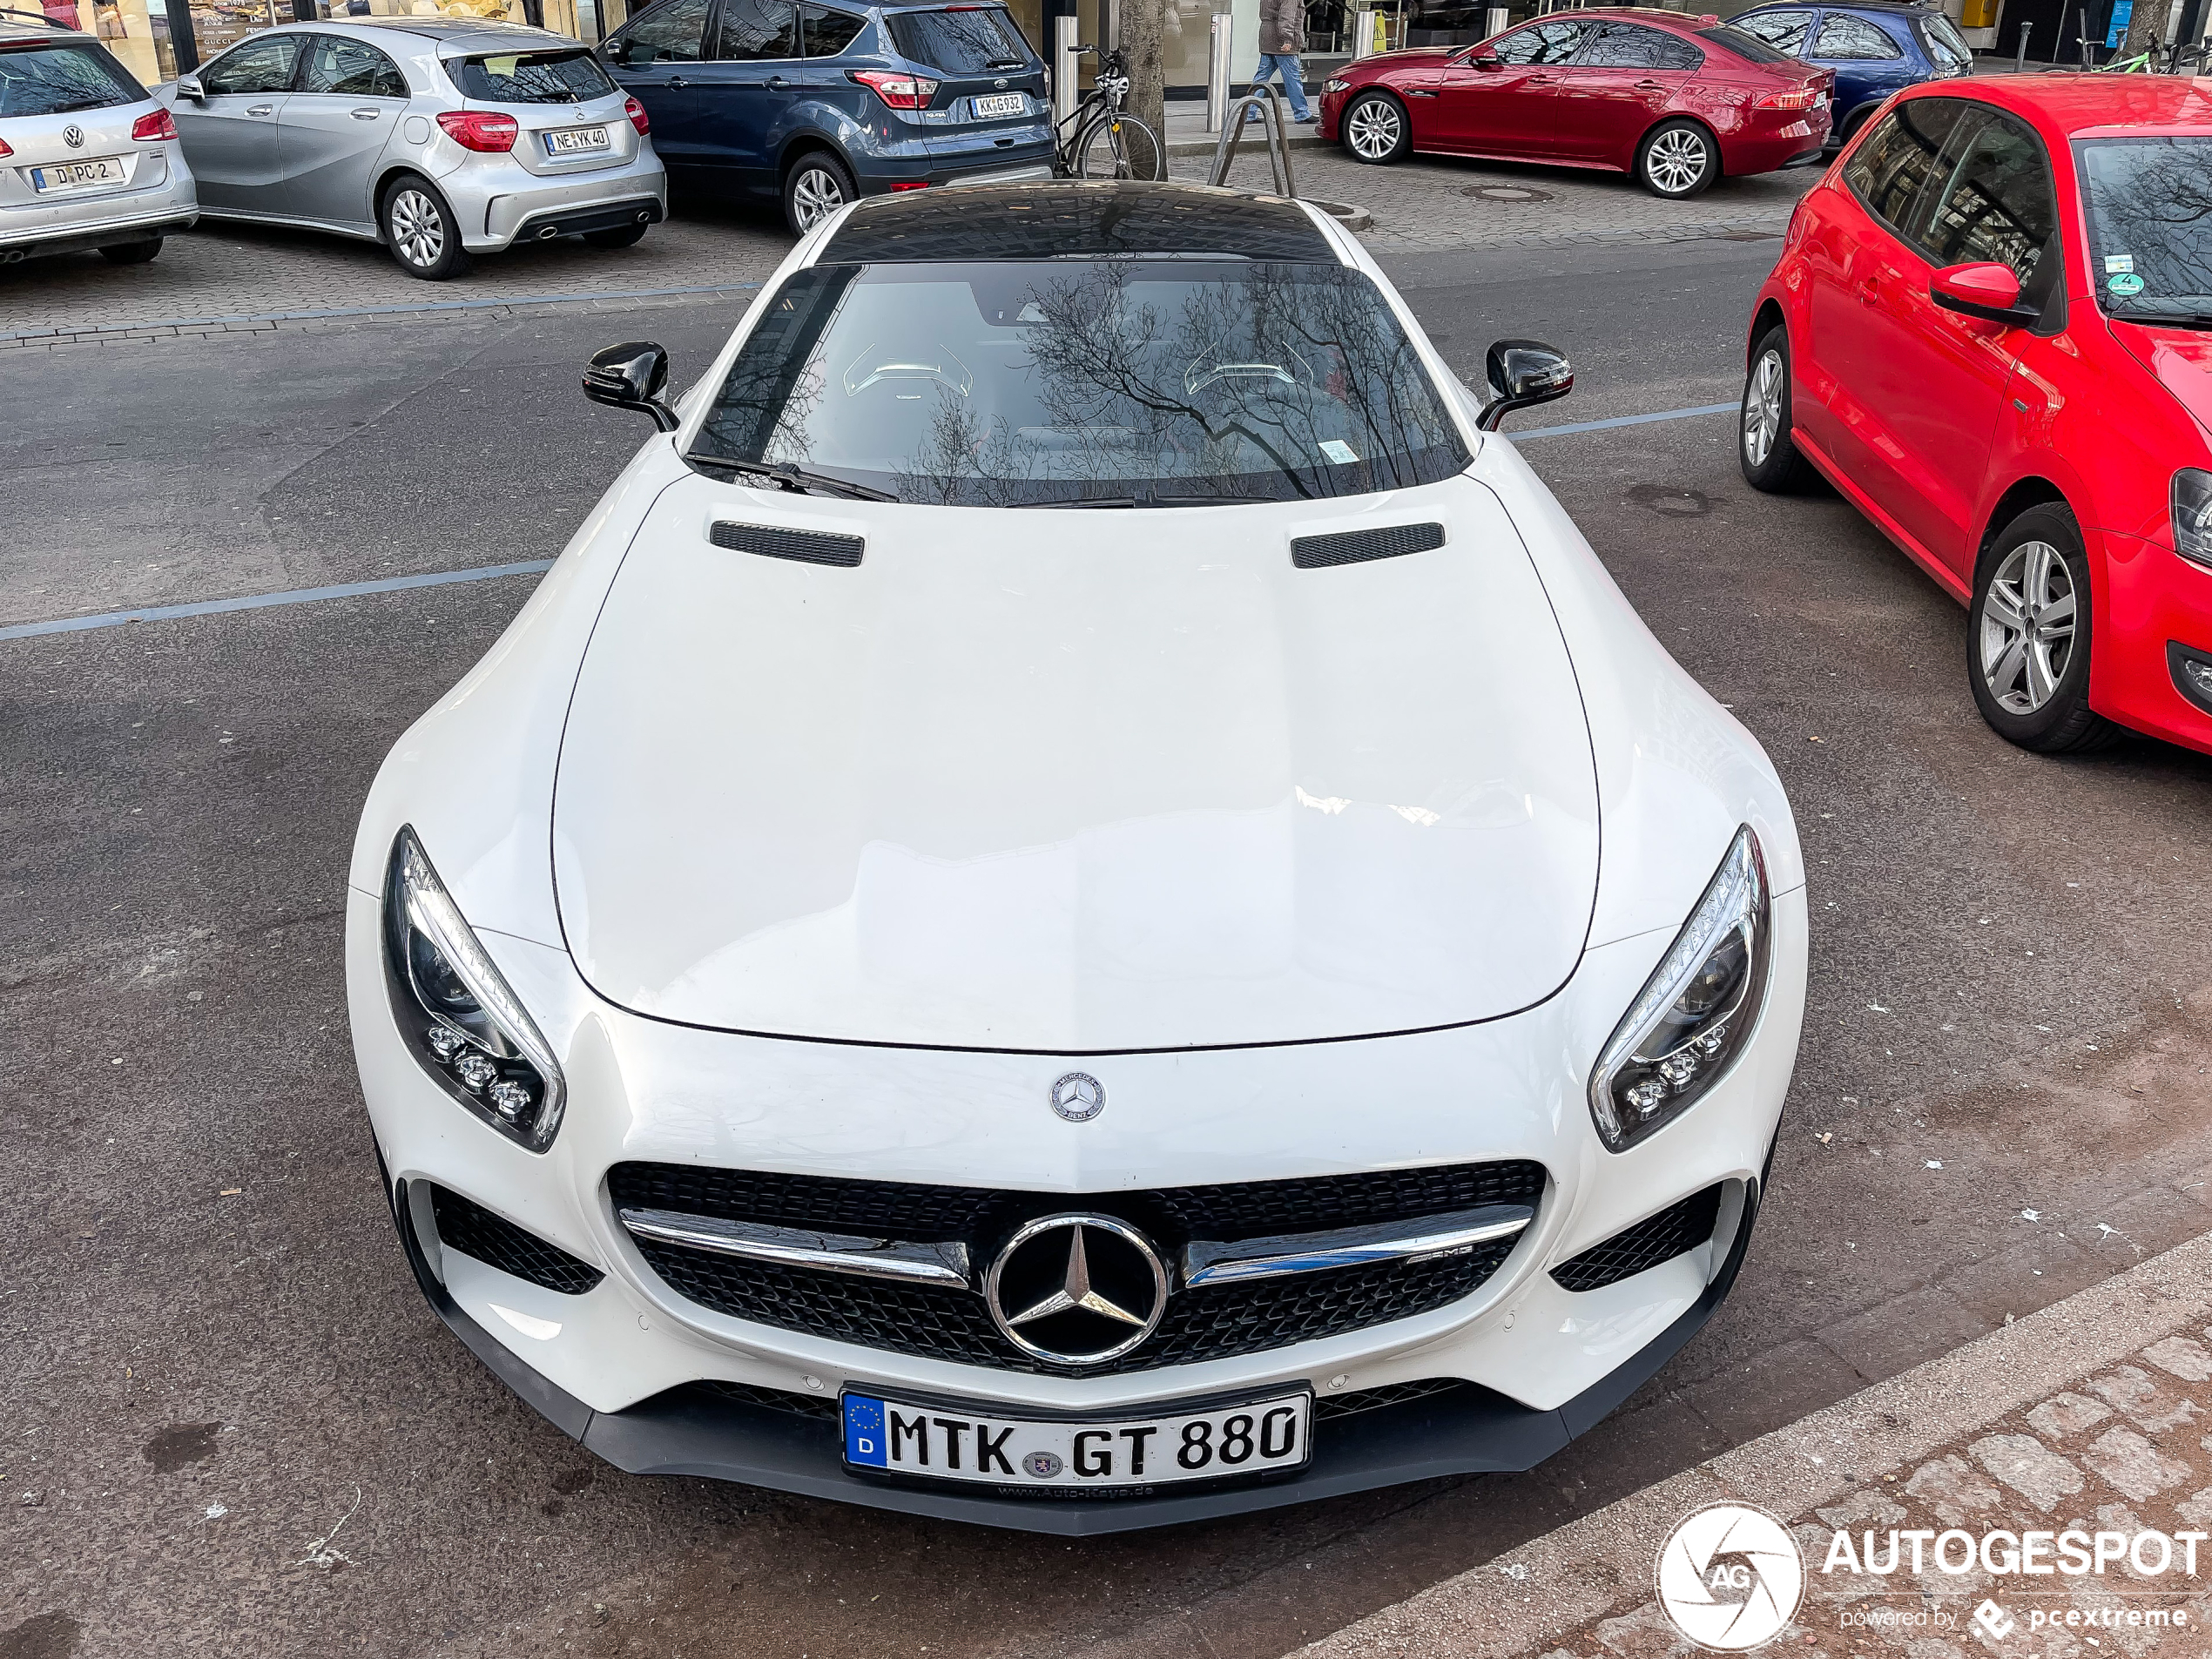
(678, 80)
(776, 83)
(1651, 85)
(260, 109)
(1540, 80)
(1869, 292)
(366, 115)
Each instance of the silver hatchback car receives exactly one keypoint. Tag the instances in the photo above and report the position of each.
(438, 138)
(87, 157)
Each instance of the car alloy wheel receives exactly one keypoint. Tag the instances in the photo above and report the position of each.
(2027, 628)
(418, 228)
(1373, 129)
(1763, 408)
(815, 194)
(1675, 161)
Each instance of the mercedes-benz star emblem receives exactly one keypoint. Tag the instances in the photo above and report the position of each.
(1077, 1290)
(73, 136)
(1078, 1097)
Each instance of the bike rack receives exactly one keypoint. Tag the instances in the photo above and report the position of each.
(1269, 106)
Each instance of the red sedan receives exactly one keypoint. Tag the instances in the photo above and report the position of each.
(1676, 100)
(1991, 328)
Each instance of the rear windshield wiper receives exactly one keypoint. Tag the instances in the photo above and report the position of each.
(784, 475)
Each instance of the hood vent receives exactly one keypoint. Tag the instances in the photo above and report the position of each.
(808, 547)
(1351, 547)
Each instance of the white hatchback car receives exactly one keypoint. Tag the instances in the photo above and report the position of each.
(1077, 888)
(88, 159)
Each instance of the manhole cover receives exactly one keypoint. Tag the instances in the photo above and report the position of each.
(1506, 193)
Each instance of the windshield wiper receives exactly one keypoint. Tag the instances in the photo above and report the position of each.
(784, 475)
(1088, 501)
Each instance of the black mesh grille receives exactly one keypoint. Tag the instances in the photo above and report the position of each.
(1674, 1231)
(776, 1399)
(1373, 1399)
(1210, 1323)
(1350, 547)
(809, 547)
(496, 1241)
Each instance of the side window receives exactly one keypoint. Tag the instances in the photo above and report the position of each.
(1628, 45)
(1784, 31)
(351, 67)
(1540, 43)
(829, 31)
(260, 65)
(1842, 38)
(669, 33)
(758, 28)
(1997, 203)
(1891, 170)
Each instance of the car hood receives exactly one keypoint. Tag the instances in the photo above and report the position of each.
(1076, 781)
(2181, 358)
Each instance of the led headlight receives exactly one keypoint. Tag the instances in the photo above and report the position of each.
(466, 1026)
(2192, 510)
(1336, 86)
(1696, 1010)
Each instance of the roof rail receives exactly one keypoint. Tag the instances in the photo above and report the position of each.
(40, 17)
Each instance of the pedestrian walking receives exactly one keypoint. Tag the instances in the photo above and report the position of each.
(1282, 38)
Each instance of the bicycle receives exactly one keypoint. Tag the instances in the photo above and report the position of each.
(1096, 140)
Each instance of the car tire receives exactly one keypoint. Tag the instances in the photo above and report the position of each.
(817, 185)
(132, 253)
(420, 231)
(1375, 129)
(2029, 637)
(1678, 159)
(620, 236)
(1771, 461)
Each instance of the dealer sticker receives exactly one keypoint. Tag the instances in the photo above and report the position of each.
(2119, 262)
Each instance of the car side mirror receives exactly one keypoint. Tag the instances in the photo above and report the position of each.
(188, 86)
(1524, 373)
(1484, 62)
(1985, 289)
(631, 376)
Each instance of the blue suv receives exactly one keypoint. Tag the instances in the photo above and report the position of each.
(819, 103)
(1875, 49)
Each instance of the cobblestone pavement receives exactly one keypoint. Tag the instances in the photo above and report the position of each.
(229, 278)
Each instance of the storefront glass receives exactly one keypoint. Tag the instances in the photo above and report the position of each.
(138, 35)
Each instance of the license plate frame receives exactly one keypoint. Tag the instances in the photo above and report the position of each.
(997, 106)
(564, 142)
(78, 175)
(1129, 1461)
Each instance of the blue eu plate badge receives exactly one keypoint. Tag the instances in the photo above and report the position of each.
(864, 1430)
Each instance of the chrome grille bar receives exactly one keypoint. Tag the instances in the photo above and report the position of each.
(910, 1263)
(1424, 1236)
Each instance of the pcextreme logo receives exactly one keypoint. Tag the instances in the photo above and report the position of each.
(1731, 1577)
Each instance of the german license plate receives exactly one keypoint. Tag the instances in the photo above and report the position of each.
(575, 141)
(78, 175)
(1044, 1455)
(990, 109)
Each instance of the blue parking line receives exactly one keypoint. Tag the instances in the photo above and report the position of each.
(490, 573)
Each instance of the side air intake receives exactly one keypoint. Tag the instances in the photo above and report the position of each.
(808, 547)
(1351, 547)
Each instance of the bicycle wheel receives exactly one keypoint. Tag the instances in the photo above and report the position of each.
(1122, 148)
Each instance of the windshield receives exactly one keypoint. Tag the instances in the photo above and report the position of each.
(2150, 206)
(1127, 382)
(532, 78)
(1749, 48)
(966, 40)
(53, 80)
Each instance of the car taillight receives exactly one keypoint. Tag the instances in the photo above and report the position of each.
(1796, 98)
(147, 128)
(914, 183)
(900, 90)
(482, 130)
(636, 111)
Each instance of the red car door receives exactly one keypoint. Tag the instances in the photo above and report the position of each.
(1619, 85)
(1501, 98)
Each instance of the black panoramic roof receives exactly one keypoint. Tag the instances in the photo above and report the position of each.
(1073, 219)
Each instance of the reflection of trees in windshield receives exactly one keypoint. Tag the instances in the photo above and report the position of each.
(2150, 202)
(1002, 386)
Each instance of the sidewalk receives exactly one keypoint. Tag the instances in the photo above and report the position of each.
(2088, 1415)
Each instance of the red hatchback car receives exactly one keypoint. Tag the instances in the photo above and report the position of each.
(1676, 100)
(1991, 328)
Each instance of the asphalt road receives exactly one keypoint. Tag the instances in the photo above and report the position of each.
(228, 1424)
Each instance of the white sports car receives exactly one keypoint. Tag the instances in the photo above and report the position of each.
(1077, 905)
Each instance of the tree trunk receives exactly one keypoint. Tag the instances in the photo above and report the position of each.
(2146, 27)
(1143, 24)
